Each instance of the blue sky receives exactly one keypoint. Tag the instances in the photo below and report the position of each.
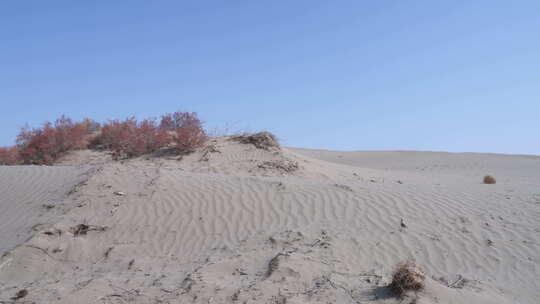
(344, 75)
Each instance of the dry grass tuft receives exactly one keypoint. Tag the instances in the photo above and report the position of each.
(407, 277)
(262, 140)
(284, 166)
(20, 294)
(488, 179)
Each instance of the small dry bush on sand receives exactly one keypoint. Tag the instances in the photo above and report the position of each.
(407, 277)
(9, 156)
(284, 166)
(488, 179)
(262, 140)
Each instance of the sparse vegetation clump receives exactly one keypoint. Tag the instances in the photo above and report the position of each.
(284, 166)
(488, 179)
(407, 277)
(129, 138)
(262, 140)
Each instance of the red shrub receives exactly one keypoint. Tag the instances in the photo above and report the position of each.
(173, 121)
(127, 138)
(9, 156)
(46, 144)
(90, 125)
(130, 138)
(188, 139)
(187, 130)
(69, 135)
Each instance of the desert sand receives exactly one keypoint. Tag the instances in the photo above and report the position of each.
(233, 223)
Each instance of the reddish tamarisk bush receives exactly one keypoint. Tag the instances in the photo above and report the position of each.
(43, 146)
(176, 120)
(130, 138)
(188, 139)
(186, 129)
(9, 156)
(91, 126)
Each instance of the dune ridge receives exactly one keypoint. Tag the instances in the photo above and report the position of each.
(228, 224)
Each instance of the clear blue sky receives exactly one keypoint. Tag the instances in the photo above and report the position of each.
(362, 75)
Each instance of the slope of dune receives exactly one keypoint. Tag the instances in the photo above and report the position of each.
(232, 223)
(30, 198)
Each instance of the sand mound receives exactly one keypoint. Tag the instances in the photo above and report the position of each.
(215, 227)
(229, 156)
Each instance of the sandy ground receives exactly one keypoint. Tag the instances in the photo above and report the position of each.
(235, 224)
(28, 196)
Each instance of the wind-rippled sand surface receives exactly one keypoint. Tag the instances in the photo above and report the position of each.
(27, 195)
(237, 224)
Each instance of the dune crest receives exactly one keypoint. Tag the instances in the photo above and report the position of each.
(234, 223)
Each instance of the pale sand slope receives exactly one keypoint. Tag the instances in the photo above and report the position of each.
(30, 198)
(234, 224)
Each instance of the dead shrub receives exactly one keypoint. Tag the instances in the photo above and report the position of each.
(83, 229)
(9, 156)
(262, 140)
(284, 166)
(407, 277)
(488, 179)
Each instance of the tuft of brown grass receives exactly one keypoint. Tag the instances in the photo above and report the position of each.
(488, 179)
(285, 166)
(262, 140)
(407, 277)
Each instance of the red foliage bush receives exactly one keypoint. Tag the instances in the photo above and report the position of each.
(90, 125)
(9, 156)
(131, 138)
(187, 130)
(42, 146)
(176, 120)
(188, 139)
(128, 138)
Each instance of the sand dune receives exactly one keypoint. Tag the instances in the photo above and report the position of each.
(31, 196)
(237, 224)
